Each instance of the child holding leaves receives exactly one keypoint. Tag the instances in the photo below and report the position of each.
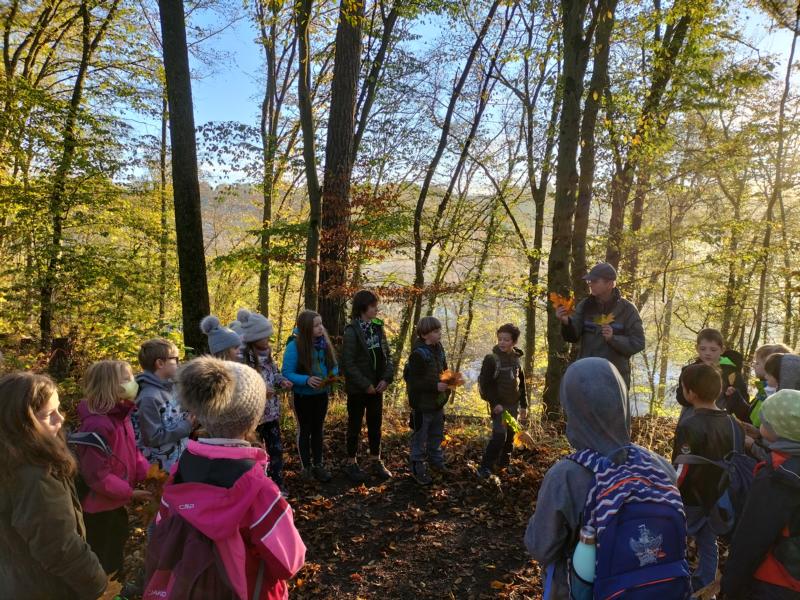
(502, 385)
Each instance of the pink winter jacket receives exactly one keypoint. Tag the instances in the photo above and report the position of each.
(244, 514)
(110, 479)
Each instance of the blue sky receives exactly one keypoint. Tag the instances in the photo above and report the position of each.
(232, 89)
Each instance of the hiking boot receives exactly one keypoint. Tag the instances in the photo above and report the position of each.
(484, 473)
(320, 473)
(354, 473)
(420, 473)
(380, 470)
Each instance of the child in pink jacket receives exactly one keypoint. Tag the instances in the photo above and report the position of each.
(111, 478)
(219, 501)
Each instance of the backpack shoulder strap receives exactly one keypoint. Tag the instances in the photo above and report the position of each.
(496, 365)
(91, 439)
(694, 459)
(738, 435)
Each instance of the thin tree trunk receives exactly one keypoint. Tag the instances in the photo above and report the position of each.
(185, 184)
(576, 53)
(597, 87)
(163, 240)
(303, 21)
(491, 229)
(414, 302)
(776, 190)
(665, 347)
(622, 182)
(69, 138)
(370, 88)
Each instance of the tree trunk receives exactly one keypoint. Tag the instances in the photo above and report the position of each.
(163, 240)
(597, 87)
(776, 190)
(665, 346)
(185, 184)
(575, 45)
(665, 60)
(69, 138)
(491, 229)
(339, 168)
(414, 304)
(302, 22)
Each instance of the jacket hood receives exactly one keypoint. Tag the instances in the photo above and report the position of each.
(418, 343)
(517, 351)
(148, 378)
(217, 512)
(790, 372)
(594, 397)
(119, 411)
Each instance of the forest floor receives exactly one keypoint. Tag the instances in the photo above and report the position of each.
(459, 538)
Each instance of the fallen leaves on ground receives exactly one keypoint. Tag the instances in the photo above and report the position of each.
(459, 538)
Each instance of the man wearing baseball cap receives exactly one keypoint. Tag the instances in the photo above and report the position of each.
(604, 324)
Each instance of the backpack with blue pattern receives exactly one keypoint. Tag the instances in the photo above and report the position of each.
(637, 513)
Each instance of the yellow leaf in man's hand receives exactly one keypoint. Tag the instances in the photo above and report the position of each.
(604, 319)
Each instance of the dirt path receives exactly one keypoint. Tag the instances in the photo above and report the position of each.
(459, 538)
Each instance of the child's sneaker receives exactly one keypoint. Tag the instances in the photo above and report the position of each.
(420, 473)
(380, 470)
(320, 473)
(354, 473)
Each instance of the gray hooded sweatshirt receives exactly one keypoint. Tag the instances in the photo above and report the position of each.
(790, 372)
(594, 398)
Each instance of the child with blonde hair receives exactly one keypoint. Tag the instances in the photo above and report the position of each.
(109, 389)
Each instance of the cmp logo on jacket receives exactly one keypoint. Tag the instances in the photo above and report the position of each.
(648, 547)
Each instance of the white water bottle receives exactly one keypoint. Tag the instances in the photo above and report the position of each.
(584, 557)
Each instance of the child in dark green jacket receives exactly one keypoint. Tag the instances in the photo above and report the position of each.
(368, 370)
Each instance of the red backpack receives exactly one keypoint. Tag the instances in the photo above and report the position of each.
(183, 564)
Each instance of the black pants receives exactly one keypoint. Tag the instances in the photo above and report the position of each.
(310, 412)
(502, 441)
(106, 533)
(357, 404)
(270, 434)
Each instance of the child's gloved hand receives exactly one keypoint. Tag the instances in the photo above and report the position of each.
(497, 409)
(442, 387)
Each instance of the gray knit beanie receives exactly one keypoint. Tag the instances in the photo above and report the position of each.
(226, 397)
(220, 338)
(253, 326)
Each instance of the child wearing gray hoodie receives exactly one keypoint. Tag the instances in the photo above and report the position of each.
(593, 396)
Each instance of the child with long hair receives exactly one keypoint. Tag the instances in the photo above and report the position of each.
(109, 389)
(309, 359)
(256, 331)
(43, 549)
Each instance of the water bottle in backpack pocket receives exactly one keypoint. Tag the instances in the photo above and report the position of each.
(637, 514)
(582, 565)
